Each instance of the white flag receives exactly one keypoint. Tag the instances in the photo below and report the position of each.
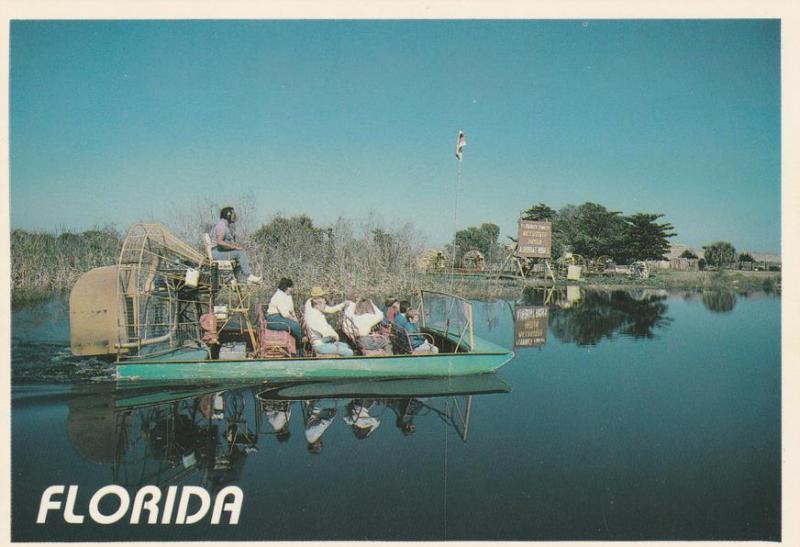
(461, 142)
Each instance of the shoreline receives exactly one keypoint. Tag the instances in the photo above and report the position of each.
(483, 285)
(731, 281)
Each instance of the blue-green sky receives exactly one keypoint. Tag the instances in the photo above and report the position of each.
(120, 121)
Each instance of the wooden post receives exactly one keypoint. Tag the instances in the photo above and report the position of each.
(549, 269)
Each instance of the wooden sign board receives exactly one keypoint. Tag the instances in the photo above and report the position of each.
(534, 239)
(530, 326)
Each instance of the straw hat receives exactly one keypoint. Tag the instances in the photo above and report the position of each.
(317, 291)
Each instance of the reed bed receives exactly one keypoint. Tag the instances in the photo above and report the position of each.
(347, 259)
(52, 262)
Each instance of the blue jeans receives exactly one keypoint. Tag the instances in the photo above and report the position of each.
(333, 348)
(242, 267)
(375, 342)
(276, 321)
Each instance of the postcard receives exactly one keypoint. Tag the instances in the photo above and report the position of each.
(396, 279)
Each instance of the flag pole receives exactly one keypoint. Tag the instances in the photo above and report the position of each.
(460, 143)
(455, 226)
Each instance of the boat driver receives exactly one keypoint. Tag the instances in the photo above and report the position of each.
(224, 246)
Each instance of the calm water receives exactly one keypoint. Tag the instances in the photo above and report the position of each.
(628, 416)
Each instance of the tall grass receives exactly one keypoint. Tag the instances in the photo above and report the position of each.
(48, 262)
(345, 258)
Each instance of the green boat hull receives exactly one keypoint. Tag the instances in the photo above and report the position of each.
(485, 357)
(457, 364)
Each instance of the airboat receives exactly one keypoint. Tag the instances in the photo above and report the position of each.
(168, 311)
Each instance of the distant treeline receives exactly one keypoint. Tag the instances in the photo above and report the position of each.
(589, 230)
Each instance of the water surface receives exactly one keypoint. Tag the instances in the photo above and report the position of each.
(641, 415)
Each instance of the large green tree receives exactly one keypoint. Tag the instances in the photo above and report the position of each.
(646, 239)
(540, 211)
(590, 230)
(296, 234)
(482, 238)
(746, 257)
(720, 254)
(280, 231)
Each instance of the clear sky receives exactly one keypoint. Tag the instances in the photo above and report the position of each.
(113, 122)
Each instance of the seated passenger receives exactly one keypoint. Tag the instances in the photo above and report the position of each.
(278, 414)
(224, 246)
(392, 307)
(359, 419)
(400, 317)
(319, 292)
(318, 420)
(324, 339)
(280, 313)
(365, 315)
(418, 342)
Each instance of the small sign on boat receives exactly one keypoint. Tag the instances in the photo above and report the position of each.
(530, 326)
(534, 239)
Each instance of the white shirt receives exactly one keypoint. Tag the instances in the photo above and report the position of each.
(278, 418)
(365, 321)
(318, 422)
(318, 326)
(360, 418)
(282, 304)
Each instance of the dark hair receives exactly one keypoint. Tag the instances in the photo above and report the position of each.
(226, 213)
(285, 283)
(390, 301)
(315, 447)
(283, 435)
(404, 305)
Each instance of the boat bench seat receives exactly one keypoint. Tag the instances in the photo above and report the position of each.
(309, 346)
(401, 341)
(222, 265)
(274, 343)
(380, 337)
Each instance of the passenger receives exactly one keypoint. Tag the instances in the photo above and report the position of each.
(278, 414)
(418, 342)
(319, 292)
(365, 315)
(406, 410)
(400, 318)
(318, 420)
(324, 339)
(392, 307)
(224, 246)
(359, 420)
(280, 313)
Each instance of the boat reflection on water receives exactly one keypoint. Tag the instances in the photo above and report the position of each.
(168, 433)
